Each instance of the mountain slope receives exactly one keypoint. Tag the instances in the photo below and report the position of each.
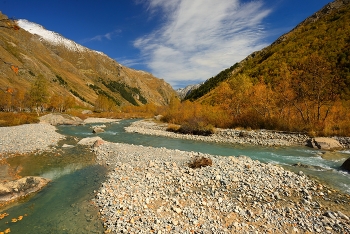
(325, 33)
(70, 68)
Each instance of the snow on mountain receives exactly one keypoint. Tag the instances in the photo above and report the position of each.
(183, 92)
(51, 37)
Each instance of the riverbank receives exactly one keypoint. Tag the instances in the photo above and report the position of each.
(153, 190)
(233, 136)
(27, 138)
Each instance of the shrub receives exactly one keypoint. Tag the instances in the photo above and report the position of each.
(13, 119)
(173, 128)
(199, 162)
(197, 126)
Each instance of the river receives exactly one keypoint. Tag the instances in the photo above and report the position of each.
(64, 206)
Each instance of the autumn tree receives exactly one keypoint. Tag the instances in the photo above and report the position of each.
(103, 104)
(39, 93)
(316, 89)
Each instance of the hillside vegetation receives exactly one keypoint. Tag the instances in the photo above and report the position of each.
(70, 75)
(299, 83)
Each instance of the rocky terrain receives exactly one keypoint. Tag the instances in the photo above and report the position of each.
(153, 190)
(27, 138)
(261, 137)
(233, 136)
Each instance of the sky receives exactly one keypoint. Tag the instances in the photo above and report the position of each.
(181, 41)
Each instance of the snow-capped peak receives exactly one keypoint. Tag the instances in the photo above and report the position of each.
(50, 36)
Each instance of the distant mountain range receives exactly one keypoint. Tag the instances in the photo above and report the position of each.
(28, 50)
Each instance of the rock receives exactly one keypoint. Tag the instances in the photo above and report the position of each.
(89, 141)
(12, 190)
(308, 166)
(158, 117)
(346, 165)
(86, 112)
(98, 143)
(67, 146)
(97, 130)
(324, 143)
(60, 119)
(99, 120)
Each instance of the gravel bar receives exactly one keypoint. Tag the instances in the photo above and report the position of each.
(152, 190)
(28, 138)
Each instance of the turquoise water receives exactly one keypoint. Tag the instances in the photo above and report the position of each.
(64, 205)
(327, 170)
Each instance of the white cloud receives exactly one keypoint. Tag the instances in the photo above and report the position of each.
(107, 36)
(199, 38)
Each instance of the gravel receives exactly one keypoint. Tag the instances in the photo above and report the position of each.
(256, 137)
(153, 190)
(27, 138)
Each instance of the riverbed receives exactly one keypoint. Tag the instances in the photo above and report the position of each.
(63, 170)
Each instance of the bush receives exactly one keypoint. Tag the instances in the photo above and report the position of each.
(199, 162)
(173, 128)
(13, 119)
(197, 126)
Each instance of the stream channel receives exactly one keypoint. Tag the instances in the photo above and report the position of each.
(64, 206)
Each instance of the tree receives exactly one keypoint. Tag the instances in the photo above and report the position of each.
(103, 103)
(316, 89)
(39, 93)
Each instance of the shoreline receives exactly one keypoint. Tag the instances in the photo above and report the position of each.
(28, 138)
(260, 137)
(153, 189)
(232, 136)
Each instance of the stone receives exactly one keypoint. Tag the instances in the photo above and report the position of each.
(97, 143)
(97, 130)
(89, 141)
(87, 112)
(324, 143)
(60, 119)
(346, 165)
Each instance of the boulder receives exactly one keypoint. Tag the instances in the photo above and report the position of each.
(60, 119)
(12, 190)
(89, 141)
(324, 143)
(98, 143)
(346, 165)
(97, 130)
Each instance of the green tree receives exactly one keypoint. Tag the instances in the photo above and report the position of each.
(39, 93)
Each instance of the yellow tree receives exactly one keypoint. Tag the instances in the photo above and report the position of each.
(39, 93)
(316, 89)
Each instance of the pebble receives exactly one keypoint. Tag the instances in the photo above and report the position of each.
(153, 190)
(28, 138)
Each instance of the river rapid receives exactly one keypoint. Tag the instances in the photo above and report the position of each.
(64, 206)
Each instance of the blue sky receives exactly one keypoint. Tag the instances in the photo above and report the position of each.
(182, 41)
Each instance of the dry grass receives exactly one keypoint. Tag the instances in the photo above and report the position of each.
(13, 119)
(200, 162)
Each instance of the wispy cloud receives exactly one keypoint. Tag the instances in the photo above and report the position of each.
(199, 38)
(107, 36)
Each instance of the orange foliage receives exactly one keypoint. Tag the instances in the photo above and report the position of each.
(14, 69)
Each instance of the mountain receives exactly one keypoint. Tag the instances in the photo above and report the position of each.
(28, 50)
(326, 33)
(184, 92)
